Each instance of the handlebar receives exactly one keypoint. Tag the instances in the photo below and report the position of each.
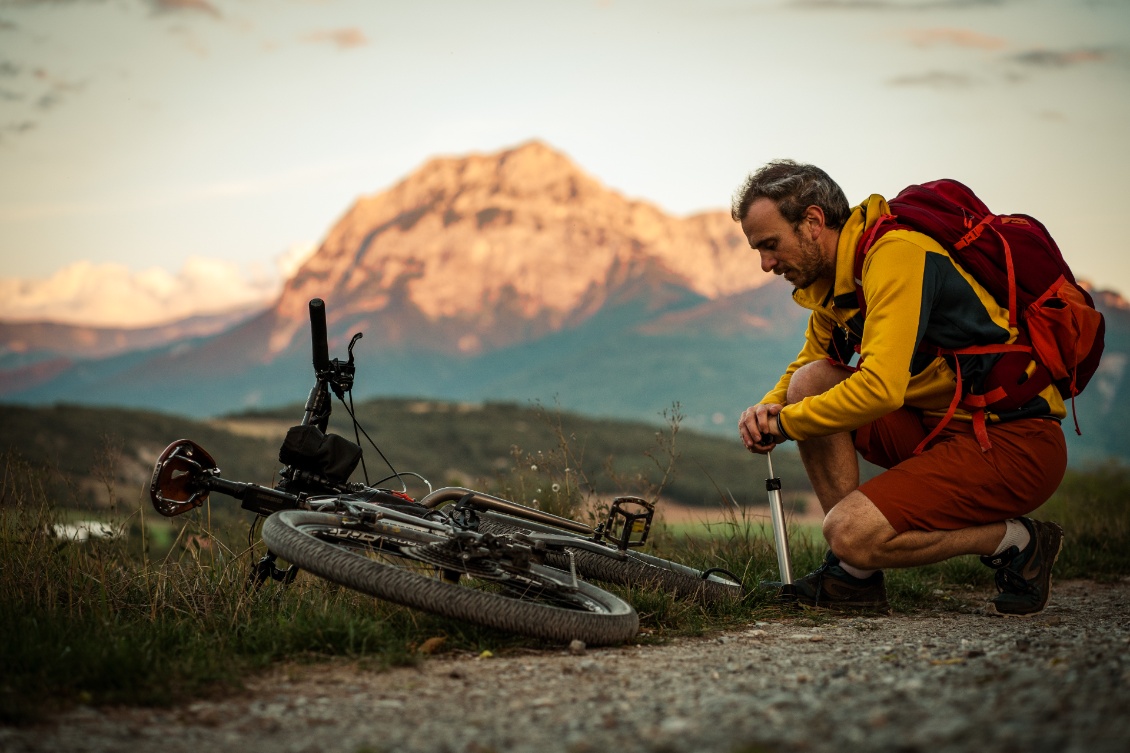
(318, 336)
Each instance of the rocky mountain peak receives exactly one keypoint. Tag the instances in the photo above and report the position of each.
(487, 250)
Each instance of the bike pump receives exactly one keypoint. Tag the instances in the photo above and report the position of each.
(780, 534)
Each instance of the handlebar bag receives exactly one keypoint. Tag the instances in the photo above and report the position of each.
(328, 455)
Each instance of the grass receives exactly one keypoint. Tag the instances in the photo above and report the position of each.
(150, 619)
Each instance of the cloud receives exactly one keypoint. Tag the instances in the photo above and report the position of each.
(17, 127)
(291, 260)
(1061, 58)
(895, 5)
(112, 295)
(934, 80)
(965, 38)
(8, 68)
(343, 39)
(7, 25)
(184, 6)
(57, 89)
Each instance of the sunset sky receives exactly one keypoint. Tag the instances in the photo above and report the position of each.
(182, 151)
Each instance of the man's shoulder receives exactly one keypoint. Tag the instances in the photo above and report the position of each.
(901, 238)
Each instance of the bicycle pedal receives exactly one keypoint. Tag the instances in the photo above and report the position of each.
(628, 522)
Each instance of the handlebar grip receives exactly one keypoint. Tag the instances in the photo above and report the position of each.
(318, 335)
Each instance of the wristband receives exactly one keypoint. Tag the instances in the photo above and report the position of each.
(781, 429)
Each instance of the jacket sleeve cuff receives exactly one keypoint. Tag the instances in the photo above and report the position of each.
(781, 428)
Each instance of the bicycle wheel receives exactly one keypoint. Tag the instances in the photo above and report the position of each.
(408, 566)
(633, 569)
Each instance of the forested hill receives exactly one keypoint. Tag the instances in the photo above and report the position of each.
(500, 446)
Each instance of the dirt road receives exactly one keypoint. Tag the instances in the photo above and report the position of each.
(948, 681)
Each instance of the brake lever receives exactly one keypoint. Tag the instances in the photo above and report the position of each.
(341, 374)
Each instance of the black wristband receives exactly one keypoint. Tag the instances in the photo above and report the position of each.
(781, 429)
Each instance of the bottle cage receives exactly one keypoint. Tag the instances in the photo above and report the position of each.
(176, 485)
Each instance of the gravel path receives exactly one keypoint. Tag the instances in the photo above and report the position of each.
(941, 682)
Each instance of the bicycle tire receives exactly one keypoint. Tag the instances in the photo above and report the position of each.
(596, 617)
(634, 569)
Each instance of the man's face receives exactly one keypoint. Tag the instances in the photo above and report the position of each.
(791, 252)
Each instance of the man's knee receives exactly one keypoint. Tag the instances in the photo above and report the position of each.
(856, 531)
(815, 378)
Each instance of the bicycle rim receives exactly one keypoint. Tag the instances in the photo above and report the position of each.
(635, 569)
(380, 561)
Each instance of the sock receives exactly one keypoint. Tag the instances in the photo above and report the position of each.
(855, 571)
(1015, 534)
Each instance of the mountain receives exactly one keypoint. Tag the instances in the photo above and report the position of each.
(515, 276)
(36, 351)
(513, 271)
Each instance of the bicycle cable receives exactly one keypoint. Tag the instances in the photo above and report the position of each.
(358, 427)
(251, 532)
(723, 571)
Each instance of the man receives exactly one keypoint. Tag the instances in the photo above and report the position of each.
(950, 499)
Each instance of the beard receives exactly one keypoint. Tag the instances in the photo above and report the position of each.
(810, 264)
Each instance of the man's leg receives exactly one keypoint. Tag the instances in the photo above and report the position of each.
(830, 462)
(948, 504)
(859, 534)
(832, 466)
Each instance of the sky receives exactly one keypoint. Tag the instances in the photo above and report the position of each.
(162, 156)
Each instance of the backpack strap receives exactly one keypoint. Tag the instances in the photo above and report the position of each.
(865, 243)
(974, 403)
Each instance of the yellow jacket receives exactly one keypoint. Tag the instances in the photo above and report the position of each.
(914, 291)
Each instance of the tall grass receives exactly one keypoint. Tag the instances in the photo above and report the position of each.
(102, 621)
(116, 620)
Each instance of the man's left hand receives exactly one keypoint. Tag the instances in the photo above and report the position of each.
(758, 428)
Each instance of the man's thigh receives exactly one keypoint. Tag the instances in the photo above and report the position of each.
(953, 484)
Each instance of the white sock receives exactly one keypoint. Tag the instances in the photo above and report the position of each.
(1015, 534)
(855, 571)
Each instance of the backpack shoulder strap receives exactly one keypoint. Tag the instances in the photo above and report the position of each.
(882, 226)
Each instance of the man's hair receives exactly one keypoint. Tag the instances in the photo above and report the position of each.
(793, 187)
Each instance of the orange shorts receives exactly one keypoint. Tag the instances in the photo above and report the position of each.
(953, 484)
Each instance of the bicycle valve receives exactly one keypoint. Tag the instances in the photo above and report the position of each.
(777, 517)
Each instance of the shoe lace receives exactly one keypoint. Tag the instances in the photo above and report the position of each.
(817, 579)
(1009, 581)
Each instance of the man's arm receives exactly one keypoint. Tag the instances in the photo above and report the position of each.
(759, 426)
(892, 287)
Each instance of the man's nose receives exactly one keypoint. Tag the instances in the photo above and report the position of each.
(767, 261)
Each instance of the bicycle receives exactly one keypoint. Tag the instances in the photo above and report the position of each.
(455, 552)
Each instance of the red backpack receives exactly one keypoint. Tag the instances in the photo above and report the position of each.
(1016, 260)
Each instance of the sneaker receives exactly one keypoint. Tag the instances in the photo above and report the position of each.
(1024, 578)
(830, 587)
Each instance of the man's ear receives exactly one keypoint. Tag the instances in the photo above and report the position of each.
(813, 221)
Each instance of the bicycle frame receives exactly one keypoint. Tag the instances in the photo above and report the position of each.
(185, 474)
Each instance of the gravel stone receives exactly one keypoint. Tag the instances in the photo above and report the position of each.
(941, 682)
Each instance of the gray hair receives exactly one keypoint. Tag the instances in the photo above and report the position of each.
(793, 187)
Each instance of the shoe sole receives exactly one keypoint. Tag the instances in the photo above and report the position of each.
(1059, 548)
(860, 610)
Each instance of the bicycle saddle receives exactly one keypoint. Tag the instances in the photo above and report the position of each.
(175, 487)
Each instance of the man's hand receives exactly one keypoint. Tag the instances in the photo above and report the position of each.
(758, 428)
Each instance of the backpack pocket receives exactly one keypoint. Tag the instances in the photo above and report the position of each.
(1063, 328)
